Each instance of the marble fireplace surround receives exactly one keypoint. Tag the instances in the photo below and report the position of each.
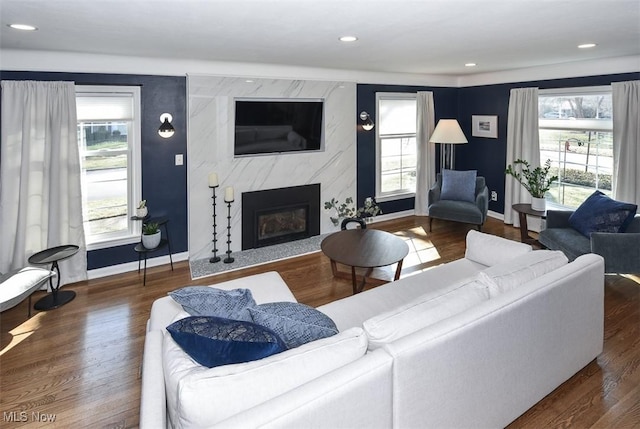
(210, 150)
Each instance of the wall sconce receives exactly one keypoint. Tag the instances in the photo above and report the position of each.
(166, 130)
(367, 123)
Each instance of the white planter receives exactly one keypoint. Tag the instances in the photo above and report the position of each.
(151, 241)
(538, 204)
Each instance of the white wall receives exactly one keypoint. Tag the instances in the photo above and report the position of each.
(210, 149)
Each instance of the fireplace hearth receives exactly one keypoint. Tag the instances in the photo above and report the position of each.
(280, 215)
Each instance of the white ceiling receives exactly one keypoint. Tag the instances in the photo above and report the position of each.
(435, 37)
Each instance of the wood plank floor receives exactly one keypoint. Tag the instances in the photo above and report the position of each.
(79, 364)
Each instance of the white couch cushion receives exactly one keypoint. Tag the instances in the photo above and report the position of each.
(522, 269)
(354, 310)
(487, 249)
(199, 397)
(424, 311)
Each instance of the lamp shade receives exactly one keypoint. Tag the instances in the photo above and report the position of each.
(448, 131)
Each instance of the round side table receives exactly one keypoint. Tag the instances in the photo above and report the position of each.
(524, 210)
(51, 256)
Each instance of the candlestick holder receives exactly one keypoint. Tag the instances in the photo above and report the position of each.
(228, 259)
(215, 257)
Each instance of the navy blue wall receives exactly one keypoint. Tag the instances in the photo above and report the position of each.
(445, 103)
(164, 185)
(489, 156)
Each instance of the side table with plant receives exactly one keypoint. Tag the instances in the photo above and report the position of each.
(150, 235)
(535, 181)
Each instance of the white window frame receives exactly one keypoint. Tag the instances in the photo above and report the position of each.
(134, 166)
(578, 124)
(405, 193)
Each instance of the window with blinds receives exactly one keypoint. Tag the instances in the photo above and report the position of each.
(396, 145)
(109, 142)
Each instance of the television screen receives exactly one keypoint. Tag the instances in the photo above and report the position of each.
(276, 126)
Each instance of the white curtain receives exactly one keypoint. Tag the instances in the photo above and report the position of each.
(40, 197)
(426, 152)
(522, 143)
(626, 141)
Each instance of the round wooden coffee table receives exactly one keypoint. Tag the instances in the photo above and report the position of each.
(364, 248)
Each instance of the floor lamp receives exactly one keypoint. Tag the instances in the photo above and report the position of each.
(448, 133)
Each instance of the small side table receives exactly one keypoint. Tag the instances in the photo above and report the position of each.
(52, 256)
(524, 210)
(143, 251)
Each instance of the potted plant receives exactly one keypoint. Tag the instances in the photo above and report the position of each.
(536, 180)
(142, 210)
(150, 235)
(346, 210)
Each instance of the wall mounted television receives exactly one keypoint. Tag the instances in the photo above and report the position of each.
(270, 126)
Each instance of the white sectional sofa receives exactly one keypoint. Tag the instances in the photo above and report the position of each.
(471, 343)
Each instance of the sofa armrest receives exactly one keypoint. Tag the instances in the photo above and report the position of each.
(621, 251)
(357, 395)
(558, 218)
(434, 194)
(153, 403)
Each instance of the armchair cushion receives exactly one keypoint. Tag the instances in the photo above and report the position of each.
(599, 213)
(459, 185)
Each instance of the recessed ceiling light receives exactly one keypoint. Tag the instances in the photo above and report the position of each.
(348, 38)
(23, 27)
(587, 45)
(470, 65)
(249, 81)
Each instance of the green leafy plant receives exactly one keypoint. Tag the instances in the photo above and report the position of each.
(536, 180)
(150, 228)
(346, 209)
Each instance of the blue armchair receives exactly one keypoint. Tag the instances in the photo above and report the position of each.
(621, 251)
(459, 211)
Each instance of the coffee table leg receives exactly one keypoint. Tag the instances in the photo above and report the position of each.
(359, 289)
(398, 270)
(334, 268)
(354, 280)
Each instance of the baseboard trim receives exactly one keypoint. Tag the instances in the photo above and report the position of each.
(133, 266)
(496, 215)
(395, 215)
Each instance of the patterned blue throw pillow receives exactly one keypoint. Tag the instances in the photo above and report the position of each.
(295, 323)
(214, 341)
(458, 185)
(209, 301)
(599, 213)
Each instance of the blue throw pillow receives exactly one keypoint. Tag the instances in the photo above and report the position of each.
(599, 213)
(295, 323)
(214, 341)
(458, 185)
(209, 301)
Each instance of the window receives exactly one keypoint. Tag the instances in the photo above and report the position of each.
(576, 135)
(395, 145)
(109, 143)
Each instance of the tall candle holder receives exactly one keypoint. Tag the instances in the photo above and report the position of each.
(228, 259)
(215, 257)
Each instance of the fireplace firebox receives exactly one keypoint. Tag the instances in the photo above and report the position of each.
(280, 215)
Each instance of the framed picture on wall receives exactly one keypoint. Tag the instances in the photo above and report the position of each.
(484, 126)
